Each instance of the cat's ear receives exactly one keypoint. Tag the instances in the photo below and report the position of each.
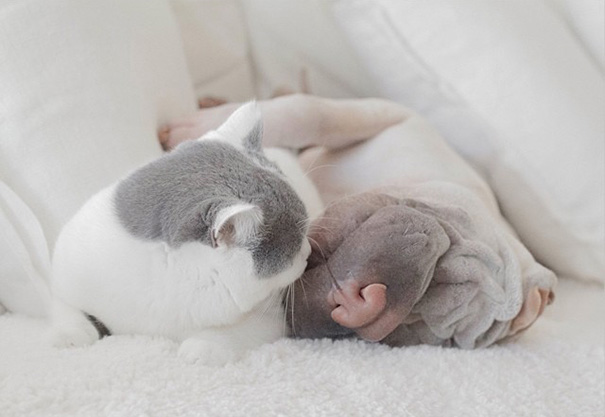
(244, 128)
(236, 225)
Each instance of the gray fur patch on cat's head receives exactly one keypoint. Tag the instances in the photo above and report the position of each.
(176, 199)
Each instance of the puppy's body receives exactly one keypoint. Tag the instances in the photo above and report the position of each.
(410, 161)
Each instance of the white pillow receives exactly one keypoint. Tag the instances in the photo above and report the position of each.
(508, 85)
(587, 20)
(25, 261)
(216, 46)
(83, 88)
(288, 36)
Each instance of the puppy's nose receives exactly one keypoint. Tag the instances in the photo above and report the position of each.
(357, 306)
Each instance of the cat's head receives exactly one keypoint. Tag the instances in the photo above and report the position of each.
(262, 212)
(221, 191)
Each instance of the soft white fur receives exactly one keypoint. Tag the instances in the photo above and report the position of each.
(208, 298)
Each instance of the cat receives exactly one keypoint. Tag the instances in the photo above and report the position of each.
(196, 246)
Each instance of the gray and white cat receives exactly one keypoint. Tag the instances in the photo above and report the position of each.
(195, 246)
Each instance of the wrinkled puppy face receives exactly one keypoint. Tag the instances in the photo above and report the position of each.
(373, 258)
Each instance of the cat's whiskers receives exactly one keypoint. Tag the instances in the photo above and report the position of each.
(292, 306)
(260, 313)
(286, 301)
(311, 165)
(316, 227)
(303, 225)
(310, 170)
(270, 305)
(316, 244)
(329, 218)
(302, 286)
(334, 281)
(324, 218)
(302, 221)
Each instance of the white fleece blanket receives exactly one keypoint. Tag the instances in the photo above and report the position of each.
(555, 369)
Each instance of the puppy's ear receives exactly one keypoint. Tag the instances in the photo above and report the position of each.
(244, 128)
(236, 225)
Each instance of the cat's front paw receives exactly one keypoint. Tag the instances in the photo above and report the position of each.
(81, 333)
(206, 352)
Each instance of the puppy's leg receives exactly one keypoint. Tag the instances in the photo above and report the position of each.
(298, 121)
(195, 126)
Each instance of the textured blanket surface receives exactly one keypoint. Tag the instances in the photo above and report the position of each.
(556, 369)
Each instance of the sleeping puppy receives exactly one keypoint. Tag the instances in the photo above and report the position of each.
(412, 247)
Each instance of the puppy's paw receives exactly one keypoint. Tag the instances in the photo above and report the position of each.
(206, 352)
(533, 306)
(196, 125)
(74, 334)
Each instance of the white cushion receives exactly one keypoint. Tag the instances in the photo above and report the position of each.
(586, 18)
(509, 87)
(25, 259)
(216, 46)
(287, 37)
(83, 88)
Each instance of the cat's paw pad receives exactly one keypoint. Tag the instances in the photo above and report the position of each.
(75, 335)
(206, 352)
